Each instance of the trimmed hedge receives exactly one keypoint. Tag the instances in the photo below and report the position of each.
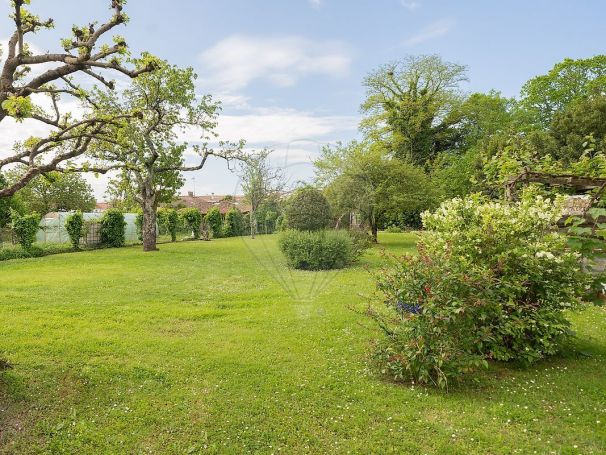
(169, 220)
(317, 250)
(74, 225)
(192, 219)
(215, 222)
(113, 228)
(233, 225)
(25, 228)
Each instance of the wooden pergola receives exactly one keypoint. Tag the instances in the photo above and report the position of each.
(578, 183)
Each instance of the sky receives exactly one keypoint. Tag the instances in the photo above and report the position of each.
(289, 73)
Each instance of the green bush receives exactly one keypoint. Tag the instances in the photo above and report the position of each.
(316, 250)
(113, 228)
(74, 225)
(192, 219)
(361, 241)
(234, 223)
(25, 228)
(169, 219)
(215, 221)
(307, 210)
(491, 281)
(393, 229)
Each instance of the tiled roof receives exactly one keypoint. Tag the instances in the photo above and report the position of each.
(204, 203)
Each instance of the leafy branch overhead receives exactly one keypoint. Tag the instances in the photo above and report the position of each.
(53, 76)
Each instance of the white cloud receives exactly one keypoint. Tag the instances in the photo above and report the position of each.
(236, 61)
(283, 126)
(315, 3)
(433, 30)
(410, 5)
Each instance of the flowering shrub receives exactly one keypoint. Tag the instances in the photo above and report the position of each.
(491, 281)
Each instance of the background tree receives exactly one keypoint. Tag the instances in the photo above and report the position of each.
(7, 204)
(409, 105)
(147, 150)
(82, 55)
(363, 178)
(57, 191)
(259, 183)
(567, 81)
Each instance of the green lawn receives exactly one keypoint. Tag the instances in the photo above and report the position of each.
(214, 347)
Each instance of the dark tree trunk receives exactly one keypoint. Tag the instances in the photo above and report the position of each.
(149, 219)
(374, 229)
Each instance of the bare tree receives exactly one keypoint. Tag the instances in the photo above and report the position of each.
(82, 54)
(259, 182)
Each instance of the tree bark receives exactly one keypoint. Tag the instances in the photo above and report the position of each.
(374, 228)
(149, 219)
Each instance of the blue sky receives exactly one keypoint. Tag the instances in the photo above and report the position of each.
(289, 72)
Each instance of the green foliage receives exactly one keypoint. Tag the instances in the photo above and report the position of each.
(491, 281)
(566, 82)
(18, 107)
(308, 210)
(113, 228)
(214, 220)
(393, 229)
(169, 220)
(408, 106)
(6, 204)
(25, 228)
(192, 218)
(316, 250)
(361, 241)
(362, 178)
(57, 191)
(234, 223)
(74, 225)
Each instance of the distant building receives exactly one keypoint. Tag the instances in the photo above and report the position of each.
(102, 206)
(205, 202)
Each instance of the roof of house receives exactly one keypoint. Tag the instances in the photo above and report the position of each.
(205, 202)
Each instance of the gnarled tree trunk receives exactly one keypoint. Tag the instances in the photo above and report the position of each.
(149, 204)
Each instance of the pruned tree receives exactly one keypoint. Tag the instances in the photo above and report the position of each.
(259, 182)
(148, 150)
(83, 55)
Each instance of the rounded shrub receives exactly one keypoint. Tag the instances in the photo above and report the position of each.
(25, 228)
(113, 228)
(74, 225)
(316, 250)
(307, 210)
(192, 219)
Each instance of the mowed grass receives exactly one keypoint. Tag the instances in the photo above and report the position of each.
(215, 347)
